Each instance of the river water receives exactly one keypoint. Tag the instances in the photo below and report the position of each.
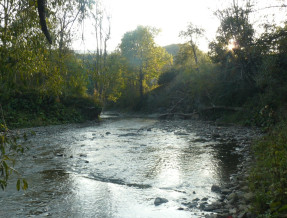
(117, 167)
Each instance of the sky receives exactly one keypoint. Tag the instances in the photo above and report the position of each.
(170, 16)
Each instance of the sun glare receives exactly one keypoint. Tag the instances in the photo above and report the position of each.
(231, 45)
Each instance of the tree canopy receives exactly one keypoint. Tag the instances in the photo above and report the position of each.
(145, 59)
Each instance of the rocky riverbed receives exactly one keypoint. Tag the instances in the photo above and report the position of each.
(235, 196)
(134, 167)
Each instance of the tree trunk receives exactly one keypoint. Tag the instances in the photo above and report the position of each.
(195, 56)
(141, 78)
(42, 16)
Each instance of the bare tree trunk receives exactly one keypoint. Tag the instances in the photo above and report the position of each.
(141, 78)
(195, 56)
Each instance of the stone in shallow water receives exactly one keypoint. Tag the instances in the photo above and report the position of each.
(128, 134)
(180, 133)
(215, 188)
(159, 201)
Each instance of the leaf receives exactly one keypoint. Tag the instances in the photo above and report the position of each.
(284, 208)
(25, 184)
(6, 169)
(18, 185)
(275, 205)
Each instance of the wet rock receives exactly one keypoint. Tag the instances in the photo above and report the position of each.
(221, 212)
(232, 197)
(209, 208)
(248, 196)
(180, 208)
(211, 216)
(193, 192)
(71, 156)
(159, 201)
(226, 191)
(108, 133)
(201, 140)
(128, 134)
(242, 207)
(216, 204)
(181, 133)
(242, 215)
(215, 135)
(196, 199)
(215, 188)
(87, 161)
(204, 199)
(203, 205)
(83, 155)
(190, 204)
(149, 129)
(233, 211)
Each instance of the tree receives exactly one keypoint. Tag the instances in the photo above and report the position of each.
(234, 44)
(82, 5)
(144, 57)
(102, 34)
(193, 33)
(234, 51)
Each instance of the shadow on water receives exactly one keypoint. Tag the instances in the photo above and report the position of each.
(116, 181)
(227, 159)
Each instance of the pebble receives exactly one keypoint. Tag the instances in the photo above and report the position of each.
(159, 201)
(83, 155)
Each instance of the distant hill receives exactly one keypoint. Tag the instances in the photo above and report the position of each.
(172, 49)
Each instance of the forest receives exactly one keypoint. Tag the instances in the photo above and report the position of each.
(241, 79)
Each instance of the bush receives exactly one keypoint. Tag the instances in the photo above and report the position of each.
(269, 177)
(26, 109)
(167, 77)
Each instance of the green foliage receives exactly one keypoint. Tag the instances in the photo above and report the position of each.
(167, 77)
(239, 62)
(269, 177)
(9, 149)
(31, 108)
(145, 60)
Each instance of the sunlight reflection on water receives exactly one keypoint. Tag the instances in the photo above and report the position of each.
(118, 167)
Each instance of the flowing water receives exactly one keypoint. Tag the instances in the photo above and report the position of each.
(117, 167)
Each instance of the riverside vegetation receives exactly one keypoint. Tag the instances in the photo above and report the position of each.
(242, 79)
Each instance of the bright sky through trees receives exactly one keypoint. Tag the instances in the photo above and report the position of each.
(168, 15)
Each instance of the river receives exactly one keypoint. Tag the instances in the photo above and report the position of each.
(118, 166)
